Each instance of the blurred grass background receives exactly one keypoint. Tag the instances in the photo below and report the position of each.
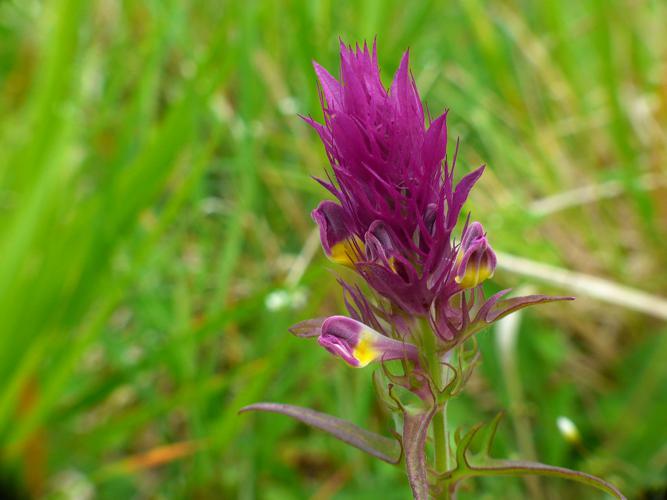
(155, 240)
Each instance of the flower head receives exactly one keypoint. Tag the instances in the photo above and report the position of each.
(396, 205)
(393, 222)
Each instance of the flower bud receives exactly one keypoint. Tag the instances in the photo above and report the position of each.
(358, 345)
(476, 261)
(568, 429)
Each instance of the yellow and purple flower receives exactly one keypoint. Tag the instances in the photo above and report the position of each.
(396, 204)
(476, 261)
(358, 345)
(393, 221)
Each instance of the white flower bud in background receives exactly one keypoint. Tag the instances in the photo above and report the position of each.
(568, 429)
(281, 299)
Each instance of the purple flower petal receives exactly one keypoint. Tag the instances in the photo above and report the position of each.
(335, 234)
(435, 142)
(330, 86)
(461, 194)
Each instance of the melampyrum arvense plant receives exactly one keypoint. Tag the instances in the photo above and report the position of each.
(395, 222)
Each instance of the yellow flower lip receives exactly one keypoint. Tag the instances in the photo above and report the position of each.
(359, 345)
(346, 252)
(476, 261)
(365, 352)
(474, 275)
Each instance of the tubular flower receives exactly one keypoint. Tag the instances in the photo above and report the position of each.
(358, 345)
(476, 261)
(338, 243)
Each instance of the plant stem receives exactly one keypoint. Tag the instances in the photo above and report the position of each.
(440, 438)
(440, 435)
(440, 376)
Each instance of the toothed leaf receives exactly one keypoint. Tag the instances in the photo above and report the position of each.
(467, 466)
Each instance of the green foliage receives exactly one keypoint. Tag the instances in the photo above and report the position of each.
(155, 243)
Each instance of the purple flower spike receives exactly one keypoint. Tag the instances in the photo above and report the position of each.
(393, 222)
(358, 345)
(397, 203)
(476, 261)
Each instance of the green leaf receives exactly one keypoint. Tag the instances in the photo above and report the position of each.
(374, 444)
(488, 467)
(520, 468)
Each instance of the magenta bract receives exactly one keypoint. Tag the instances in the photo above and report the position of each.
(397, 204)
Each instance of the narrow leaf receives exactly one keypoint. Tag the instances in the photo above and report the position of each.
(463, 445)
(521, 468)
(490, 303)
(374, 444)
(466, 467)
(491, 429)
(504, 307)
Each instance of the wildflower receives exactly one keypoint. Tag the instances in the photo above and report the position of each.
(476, 261)
(393, 221)
(358, 345)
(337, 241)
(396, 206)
